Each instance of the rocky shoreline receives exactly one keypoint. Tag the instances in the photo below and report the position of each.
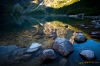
(13, 55)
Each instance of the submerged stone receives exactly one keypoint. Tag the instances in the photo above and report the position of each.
(93, 22)
(62, 62)
(95, 34)
(24, 57)
(12, 61)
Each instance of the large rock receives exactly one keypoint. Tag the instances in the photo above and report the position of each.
(62, 46)
(88, 55)
(48, 54)
(5, 52)
(80, 38)
(33, 47)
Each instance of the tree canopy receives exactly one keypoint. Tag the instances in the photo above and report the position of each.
(56, 3)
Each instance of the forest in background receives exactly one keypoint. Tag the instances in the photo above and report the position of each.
(88, 7)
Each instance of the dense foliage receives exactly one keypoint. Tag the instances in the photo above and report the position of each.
(88, 7)
(56, 3)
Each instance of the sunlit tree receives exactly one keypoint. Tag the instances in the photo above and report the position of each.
(56, 3)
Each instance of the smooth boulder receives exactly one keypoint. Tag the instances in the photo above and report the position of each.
(48, 54)
(63, 46)
(87, 55)
(80, 38)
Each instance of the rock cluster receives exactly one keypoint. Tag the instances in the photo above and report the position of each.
(95, 34)
(95, 25)
(62, 46)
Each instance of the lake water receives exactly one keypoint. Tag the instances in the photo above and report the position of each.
(17, 32)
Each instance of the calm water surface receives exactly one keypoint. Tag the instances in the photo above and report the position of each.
(18, 31)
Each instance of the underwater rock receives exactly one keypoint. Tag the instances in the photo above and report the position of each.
(80, 38)
(15, 52)
(63, 46)
(48, 54)
(62, 62)
(5, 51)
(95, 34)
(12, 61)
(82, 25)
(91, 26)
(53, 34)
(93, 22)
(33, 47)
(88, 55)
(19, 52)
(25, 57)
(86, 27)
(38, 52)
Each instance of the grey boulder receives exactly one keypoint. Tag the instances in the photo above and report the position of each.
(87, 55)
(62, 46)
(48, 54)
(80, 38)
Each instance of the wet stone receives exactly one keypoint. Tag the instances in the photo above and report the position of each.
(87, 55)
(48, 54)
(63, 46)
(5, 52)
(80, 38)
(39, 52)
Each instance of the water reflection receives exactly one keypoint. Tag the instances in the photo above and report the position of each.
(25, 29)
(39, 29)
